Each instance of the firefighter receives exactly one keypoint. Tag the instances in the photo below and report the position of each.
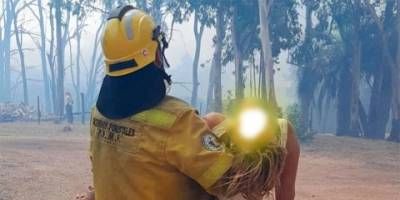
(151, 146)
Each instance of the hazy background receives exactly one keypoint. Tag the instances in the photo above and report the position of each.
(180, 56)
(332, 67)
(321, 56)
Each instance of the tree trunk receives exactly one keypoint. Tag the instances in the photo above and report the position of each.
(355, 122)
(393, 64)
(77, 63)
(348, 116)
(305, 107)
(379, 107)
(348, 119)
(51, 60)
(305, 93)
(253, 77)
(343, 114)
(239, 82)
(46, 81)
(218, 63)
(6, 51)
(363, 117)
(18, 39)
(262, 79)
(198, 33)
(1, 66)
(264, 9)
(60, 58)
(214, 102)
(210, 90)
(395, 131)
(96, 59)
(381, 95)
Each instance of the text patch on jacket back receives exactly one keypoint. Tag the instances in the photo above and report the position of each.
(109, 132)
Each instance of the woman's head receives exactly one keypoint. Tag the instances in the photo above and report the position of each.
(253, 175)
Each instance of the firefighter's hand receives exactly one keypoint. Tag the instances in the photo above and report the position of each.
(88, 195)
(212, 119)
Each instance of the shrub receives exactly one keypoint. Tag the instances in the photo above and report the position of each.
(293, 114)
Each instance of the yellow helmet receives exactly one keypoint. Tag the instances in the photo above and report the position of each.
(129, 41)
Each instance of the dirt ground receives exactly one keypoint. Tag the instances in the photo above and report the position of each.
(44, 163)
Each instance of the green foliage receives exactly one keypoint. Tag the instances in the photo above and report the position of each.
(243, 15)
(293, 114)
(327, 50)
(205, 10)
(283, 23)
(179, 10)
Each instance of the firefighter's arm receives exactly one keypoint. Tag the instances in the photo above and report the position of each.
(195, 151)
(286, 190)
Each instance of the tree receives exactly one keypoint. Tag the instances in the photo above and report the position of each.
(347, 15)
(279, 30)
(203, 17)
(264, 10)
(10, 12)
(198, 33)
(5, 73)
(343, 50)
(96, 59)
(2, 54)
(244, 38)
(331, 62)
(42, 47)
(214, 92)
(59, 19)
(19, 40)
(80, 15)
(59, 108)
(242, 41)
(304, 55)
(378, 64)
(395, 131)
(95, 68)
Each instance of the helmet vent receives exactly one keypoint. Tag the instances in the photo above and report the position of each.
(119, 12)
(128, 23)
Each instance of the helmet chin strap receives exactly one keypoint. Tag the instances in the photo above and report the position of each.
(164, 46)
(167, 87)
(160, 37)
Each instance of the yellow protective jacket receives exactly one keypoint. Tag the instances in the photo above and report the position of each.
(165, 153)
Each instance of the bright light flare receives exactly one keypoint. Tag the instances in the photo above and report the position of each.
(252, 122)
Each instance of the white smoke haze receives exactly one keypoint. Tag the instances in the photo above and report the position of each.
(180, 55)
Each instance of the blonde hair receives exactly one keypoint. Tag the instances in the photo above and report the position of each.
(253, 175)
